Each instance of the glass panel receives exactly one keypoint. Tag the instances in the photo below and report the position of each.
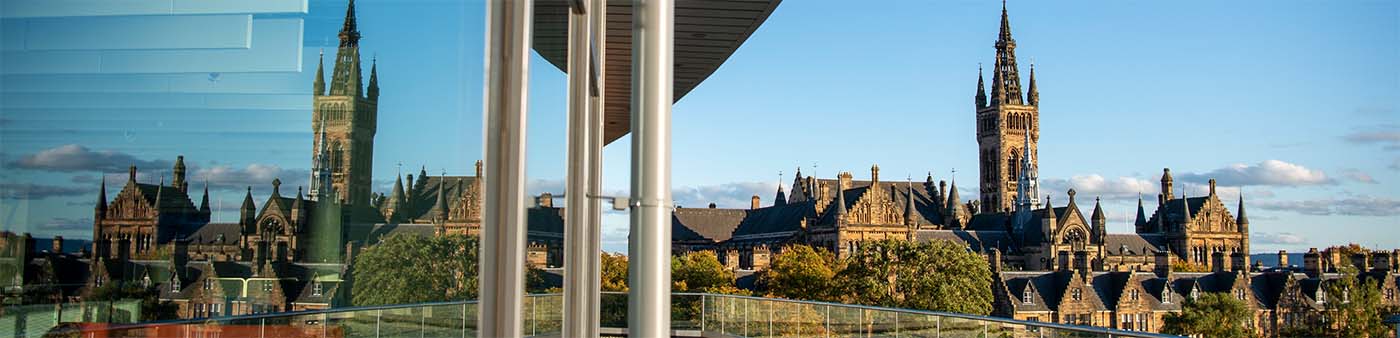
(951, 327)
(917, 325)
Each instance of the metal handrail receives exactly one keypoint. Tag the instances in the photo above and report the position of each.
(1088, 329)
(1049, 325)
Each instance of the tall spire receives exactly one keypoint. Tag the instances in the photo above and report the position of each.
(1032, 95)
(909, 212)
(1006, 82)
(102, 196)
(320, 164)
(373, 91)
(1099, 222)
(159, 189)
(840, 205)
(442, 197)
(954, 206)
(981, 91)
(349, 33)
(319, 88)
(204, 201)
(1185, 210)
(1141, 222)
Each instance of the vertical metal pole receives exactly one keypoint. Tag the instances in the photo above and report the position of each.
(594, 246)
(377, 314)
(578, 227)
(649, 245)
(702, 312)
(746, 317)
(770, 318)
(508, 32)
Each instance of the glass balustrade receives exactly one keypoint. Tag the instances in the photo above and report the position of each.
(692, 315)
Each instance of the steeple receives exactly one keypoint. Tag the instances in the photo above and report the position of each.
(840, 206)
(1099, 222)
(1006, 83)
(349, 33)
(373, 91)
(396, 200)
(346, 79)
(1032, 95)
(1140, 223)
(320, 165)
(1028, 183)
(442, 197)
(179, 173)
(781, 198)
(1167, 184)
(981, 92)
(954, 206)
(204, 201)
(1185, 210)
(102, 197)
(319, 88)
(909, 212)
(159, 189)
(247, 212)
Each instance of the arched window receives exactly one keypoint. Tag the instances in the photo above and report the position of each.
(1026, 296)
(337, 156)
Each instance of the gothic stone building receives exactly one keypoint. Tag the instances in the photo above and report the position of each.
(1030, 233)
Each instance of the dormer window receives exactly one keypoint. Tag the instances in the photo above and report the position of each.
(1166, 295)
(1195, 293)
(175, 284)
(146, 281)
(1320, 296)
(1026, 297)
(316, 289)
(1076, 294)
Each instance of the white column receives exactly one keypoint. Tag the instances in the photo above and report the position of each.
(595, 154)
(649, 245)
(580, 316)
(508, 25)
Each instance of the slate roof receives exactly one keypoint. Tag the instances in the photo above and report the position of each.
(1173, 209)
(171, 198)
(977, 240)
(1135, 244)
(774, 219)
(425, 199)
(705, 224)
(211, 232)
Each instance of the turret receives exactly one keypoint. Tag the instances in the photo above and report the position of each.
(247, 212)
(160, 188)
(1049, 220)
(1032, 95)
(443, 208)
(1241, 220)
(319, 87)
(179, 175)
(204, 200)
(840, 207)
(954, 208)
(981, 93)
(1167, 184)
(373, 91)
(298, 209)
(910, 214)
(395, 201)
(781, 197)
(1185, 210)
(1140, 223)
(1099, 222)
(101, 208)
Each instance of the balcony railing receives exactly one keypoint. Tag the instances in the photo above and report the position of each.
(692, 315)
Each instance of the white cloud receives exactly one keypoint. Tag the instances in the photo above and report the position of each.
(1120, 188)
(254, 175)
(1350, 206)
(1358, 176)
(73, 157)
(1387, 136)
(1269, 172)
(727, 195)
(1286, 238)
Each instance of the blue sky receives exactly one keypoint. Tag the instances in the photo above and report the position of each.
(1295, 102)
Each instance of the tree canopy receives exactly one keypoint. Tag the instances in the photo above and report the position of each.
(1212, 314)
(699, 271)
(800, 272)
(937, 275)
(405, 268)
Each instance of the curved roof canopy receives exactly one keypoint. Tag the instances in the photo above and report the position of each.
(707, 33)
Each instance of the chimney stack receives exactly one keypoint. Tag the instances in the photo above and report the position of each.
(1380, 260)
(1359, 260)
(546, 200)
(1312, 263)
(57, 244)
(1163, 265)
(755, 202)
(1282, 259)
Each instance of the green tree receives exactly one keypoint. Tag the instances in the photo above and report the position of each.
(1354, 306)
(407, 268)
(151, 306)
(699, 271)
(800, 272)
(614, 272)
(1212, 314)
(937, 275)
